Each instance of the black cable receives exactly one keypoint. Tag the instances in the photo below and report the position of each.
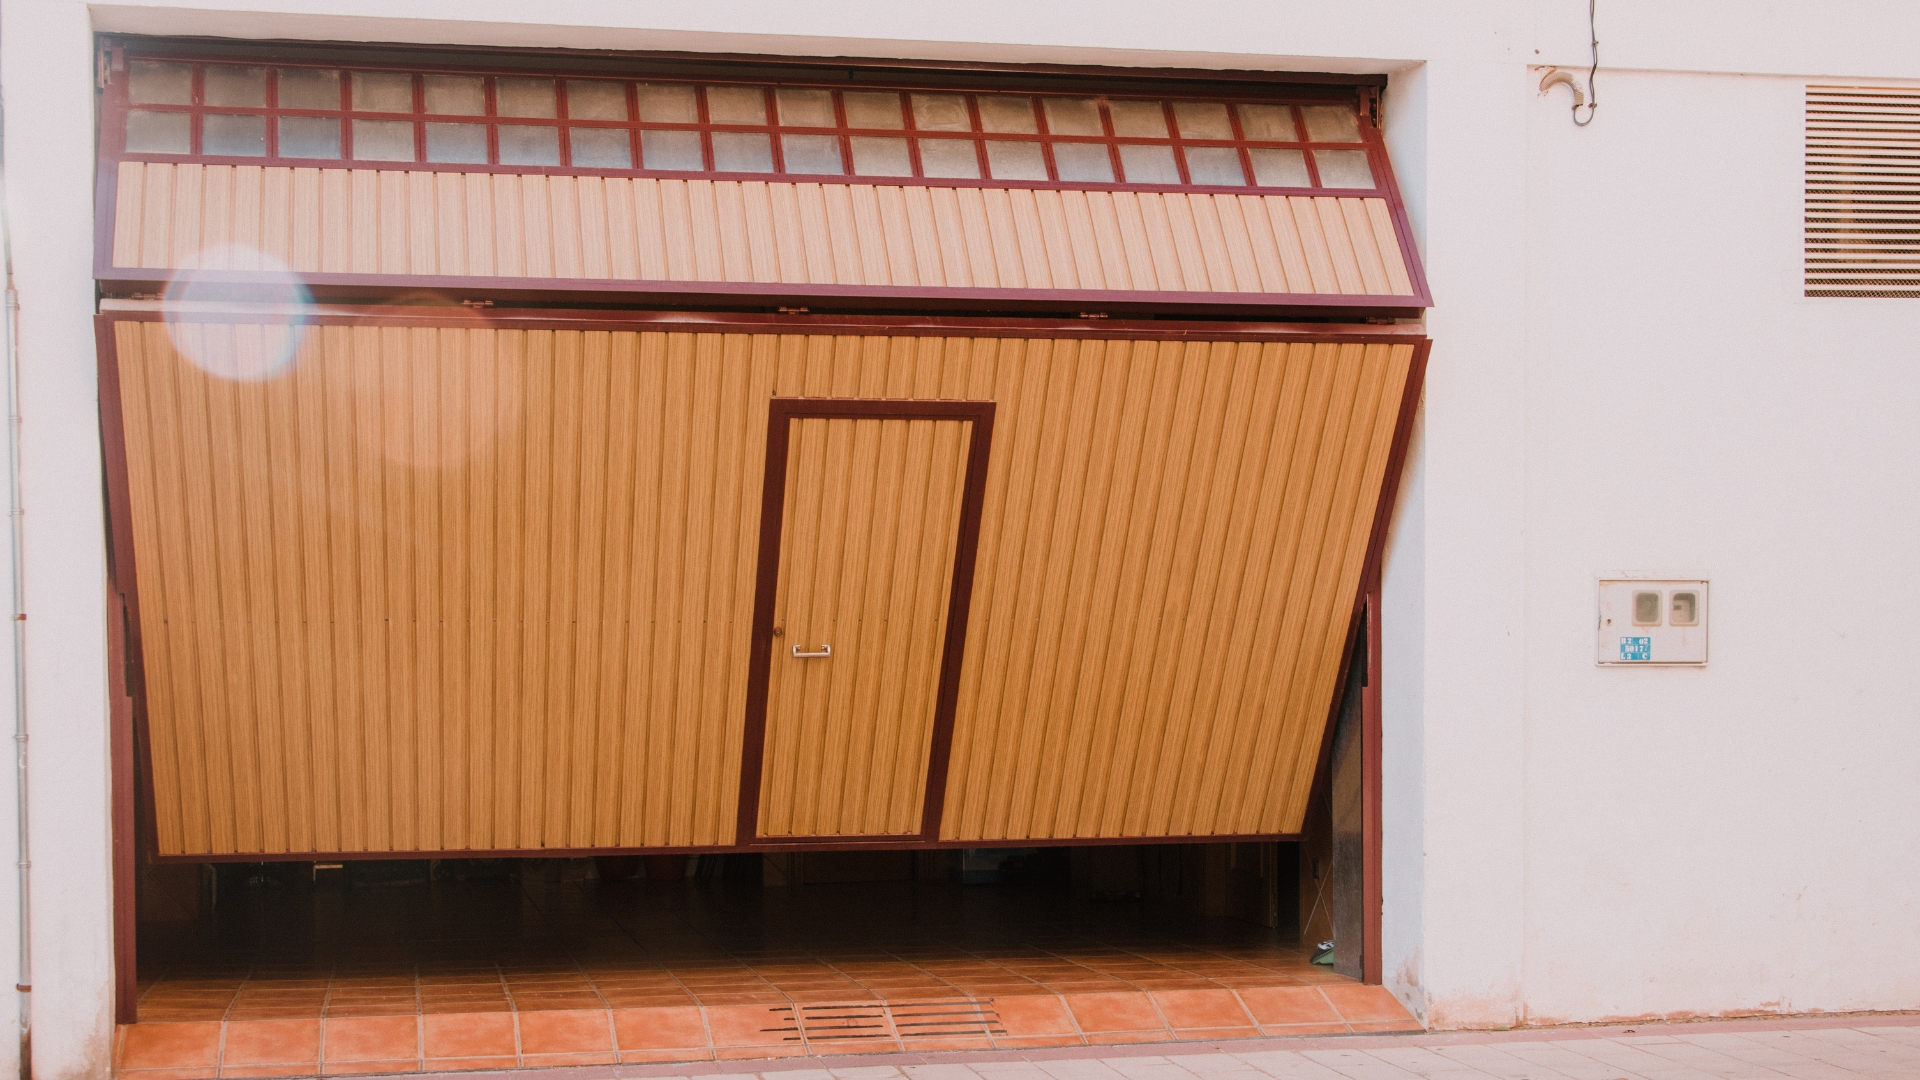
(1593, 101)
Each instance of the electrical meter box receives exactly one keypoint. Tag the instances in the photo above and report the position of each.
(1646, 621)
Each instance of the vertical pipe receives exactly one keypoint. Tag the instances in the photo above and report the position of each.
(17, 534)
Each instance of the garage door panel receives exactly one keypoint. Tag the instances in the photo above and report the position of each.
(416, 588)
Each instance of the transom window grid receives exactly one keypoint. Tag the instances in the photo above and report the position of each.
(176, 109)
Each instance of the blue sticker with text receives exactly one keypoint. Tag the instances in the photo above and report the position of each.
(1636, 648)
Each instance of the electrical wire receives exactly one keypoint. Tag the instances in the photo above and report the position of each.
(1593, 101)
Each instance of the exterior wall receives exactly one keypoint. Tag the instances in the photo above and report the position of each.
(1624, 378)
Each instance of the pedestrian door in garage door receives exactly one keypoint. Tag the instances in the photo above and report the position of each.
(868, 529)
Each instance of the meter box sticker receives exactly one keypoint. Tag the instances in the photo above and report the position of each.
(1652, 621)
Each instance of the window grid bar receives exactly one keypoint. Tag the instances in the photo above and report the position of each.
(562, 123)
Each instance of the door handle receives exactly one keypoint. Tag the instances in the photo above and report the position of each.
(825, 650)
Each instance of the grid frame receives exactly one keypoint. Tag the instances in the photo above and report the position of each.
(1363, 143)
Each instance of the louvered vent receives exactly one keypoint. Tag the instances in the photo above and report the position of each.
(1863, 191)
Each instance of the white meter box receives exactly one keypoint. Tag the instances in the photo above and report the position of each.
(1648, 621)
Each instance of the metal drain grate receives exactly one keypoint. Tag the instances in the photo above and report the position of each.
(855, 1020)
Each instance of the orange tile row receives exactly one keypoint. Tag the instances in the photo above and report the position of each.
(539, 1038)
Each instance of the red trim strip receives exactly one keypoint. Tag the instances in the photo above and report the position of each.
(908, 843)
(243, 286)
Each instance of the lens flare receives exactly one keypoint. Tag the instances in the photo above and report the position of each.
(278, 303)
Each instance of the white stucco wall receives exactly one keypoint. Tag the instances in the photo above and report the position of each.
(1624, 378)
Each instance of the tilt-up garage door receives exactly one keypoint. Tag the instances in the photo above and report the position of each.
(478, 582)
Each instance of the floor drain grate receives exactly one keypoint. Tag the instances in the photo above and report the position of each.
(856, 1020)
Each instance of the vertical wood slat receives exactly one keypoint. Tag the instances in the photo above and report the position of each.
(366, 221)
(447, 589)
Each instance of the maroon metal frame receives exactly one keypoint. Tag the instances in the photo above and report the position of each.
(780, 416)
(1359, 92)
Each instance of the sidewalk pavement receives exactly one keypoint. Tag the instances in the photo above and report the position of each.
(1882, 1047)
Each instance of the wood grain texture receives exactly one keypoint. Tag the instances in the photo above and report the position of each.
(368, 221)
(867, 559)
(476, 589)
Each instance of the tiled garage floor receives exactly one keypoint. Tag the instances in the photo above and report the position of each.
(297, 982)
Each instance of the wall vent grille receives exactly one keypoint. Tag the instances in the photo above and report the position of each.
(1863, 191)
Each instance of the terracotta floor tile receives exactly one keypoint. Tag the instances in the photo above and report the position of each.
(568, 1031)
(271, 1042)
(262, 1072)
(563, 1002)
(1034, 1015)
(673, 1028)
(1019, 1042)
(202, 1073)
(556, 1061)
(171, 1046)
(388, 1008)
(738, 1026)
(373, 1038)
(647, 1057)
(1387, 1025)
(1364, 1002)
(1212, 1034)
(1201, 1009)
(1107, 1014)
(1284, 1030)
(361, 1068)
(741, 1053)
(471, 1034)
(1281, 1005)
(467, 1064)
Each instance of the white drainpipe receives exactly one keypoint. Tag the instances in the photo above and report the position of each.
(17, 526)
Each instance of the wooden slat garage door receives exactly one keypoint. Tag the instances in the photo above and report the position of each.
(466, 589)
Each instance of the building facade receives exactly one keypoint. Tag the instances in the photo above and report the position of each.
(1634, 369)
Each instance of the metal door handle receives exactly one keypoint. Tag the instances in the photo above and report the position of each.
(825, 650)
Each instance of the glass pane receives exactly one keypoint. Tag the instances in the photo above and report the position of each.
(227, 135)
(805, 108)
(382, 140)
(1144, 164)
(1279, 168)
(811, 153)
(305, 88)
(872, 109)
(596, 99)
(382, 91)
(736, 151)
(234, 87)
(668, 103)
(948, 112)
(526, 144)
(736, 105)
(151, 82)
(309, 137)
(1139, 119)
(1202, 120)
(954, 158)
(1211, 165)
(675, 150)
(1007, 113)
(1343, 168)
(1268, 123)
(1016, 161)
(159, 133)
(1086, 162)
(604, 148)
(455, 95)
(1073, 116)
(523, 97)
(1331, 123)
(1646, 609)
(876, 156)
(465, 143)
